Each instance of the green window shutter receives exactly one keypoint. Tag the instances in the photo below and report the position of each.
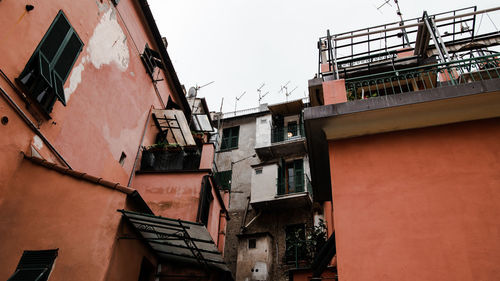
(234, 137)
(298, 167)
(52, 61)
(281, 177)
(230, 138)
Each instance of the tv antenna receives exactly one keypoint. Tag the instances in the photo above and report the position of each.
(236, 101)
(259, 90)
(406, 41)
(193, 91)
(284, 89)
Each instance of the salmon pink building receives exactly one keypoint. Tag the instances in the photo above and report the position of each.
(405, 158)
(105, 165)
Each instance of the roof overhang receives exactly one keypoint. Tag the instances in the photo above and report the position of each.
(287, 108)
(438, 106)
(176, 240)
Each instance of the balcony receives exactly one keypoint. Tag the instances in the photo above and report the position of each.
(285, 141)
(453, 73)
(293, 192)
(169, 159)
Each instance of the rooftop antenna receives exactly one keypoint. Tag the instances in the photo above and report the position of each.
(259, 90)
(236, 101)
(406, 41)
(192, 93)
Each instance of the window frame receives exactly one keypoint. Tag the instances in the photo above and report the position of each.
(228, 136)
(53, 90)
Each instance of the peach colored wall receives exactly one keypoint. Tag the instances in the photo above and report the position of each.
(107, 110)
(419, 204)
(125, 264)
(172, 195)
(328, 214)
(44, 210)
(207, 156)
(334, 91)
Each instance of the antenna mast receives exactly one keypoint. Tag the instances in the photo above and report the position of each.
(259, 90)
(406, 41)
(236, 101)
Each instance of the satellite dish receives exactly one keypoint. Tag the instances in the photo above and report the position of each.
(192, 92)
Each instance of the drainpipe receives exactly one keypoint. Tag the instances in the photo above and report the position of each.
(139, 148)
(30, 124)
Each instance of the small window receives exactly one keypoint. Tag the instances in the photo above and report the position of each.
(258, 171)
(122, 158)
(224, 178)
(151, 60)
(49, 66)
(230, 138)
(206, 199)
(295, 241)
(34, 266)
(252, 243)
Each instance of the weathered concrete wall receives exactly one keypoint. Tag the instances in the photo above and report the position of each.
(264, 186)
(275, 221)
(242, 173)
(255, 264)
(424, 203)
(263, 130)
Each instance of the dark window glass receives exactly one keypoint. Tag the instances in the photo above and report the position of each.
(295, 242)
(252, 243)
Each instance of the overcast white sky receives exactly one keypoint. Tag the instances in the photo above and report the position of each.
(241, 44)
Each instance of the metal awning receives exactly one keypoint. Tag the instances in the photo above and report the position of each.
(176, 240)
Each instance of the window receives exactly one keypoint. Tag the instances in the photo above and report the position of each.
(223, 179)
(34, 266)
(151, 60)
(252, 243)
(230, 138)
(206, 199)
(295, 242)
(49, 66)
(290, 176)
(258, 171)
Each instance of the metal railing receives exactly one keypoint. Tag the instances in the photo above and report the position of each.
(424, 77)
(286, 133)
(297, 183)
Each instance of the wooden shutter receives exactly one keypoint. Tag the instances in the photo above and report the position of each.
(281, 177)
(298, 168)
(234, 137)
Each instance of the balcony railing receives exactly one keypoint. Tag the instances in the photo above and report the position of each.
(285, 133)
(297, 183)
(424, 77)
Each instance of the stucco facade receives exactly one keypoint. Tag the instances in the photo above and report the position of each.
(71, 153)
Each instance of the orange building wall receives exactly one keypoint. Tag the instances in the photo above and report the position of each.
(419, 204)
(45, 210)
(106, 112)
(172, 195)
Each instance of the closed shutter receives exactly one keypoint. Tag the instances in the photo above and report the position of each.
(234, 137)
(298, 168)
(281, 177)
(34, 266)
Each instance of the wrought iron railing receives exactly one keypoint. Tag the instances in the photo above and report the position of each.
(297, 183)
(285, 133)
(424, 77)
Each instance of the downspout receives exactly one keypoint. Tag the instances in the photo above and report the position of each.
(30, 124)
(132, 173)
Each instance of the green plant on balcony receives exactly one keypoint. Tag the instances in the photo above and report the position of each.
(303, 244)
